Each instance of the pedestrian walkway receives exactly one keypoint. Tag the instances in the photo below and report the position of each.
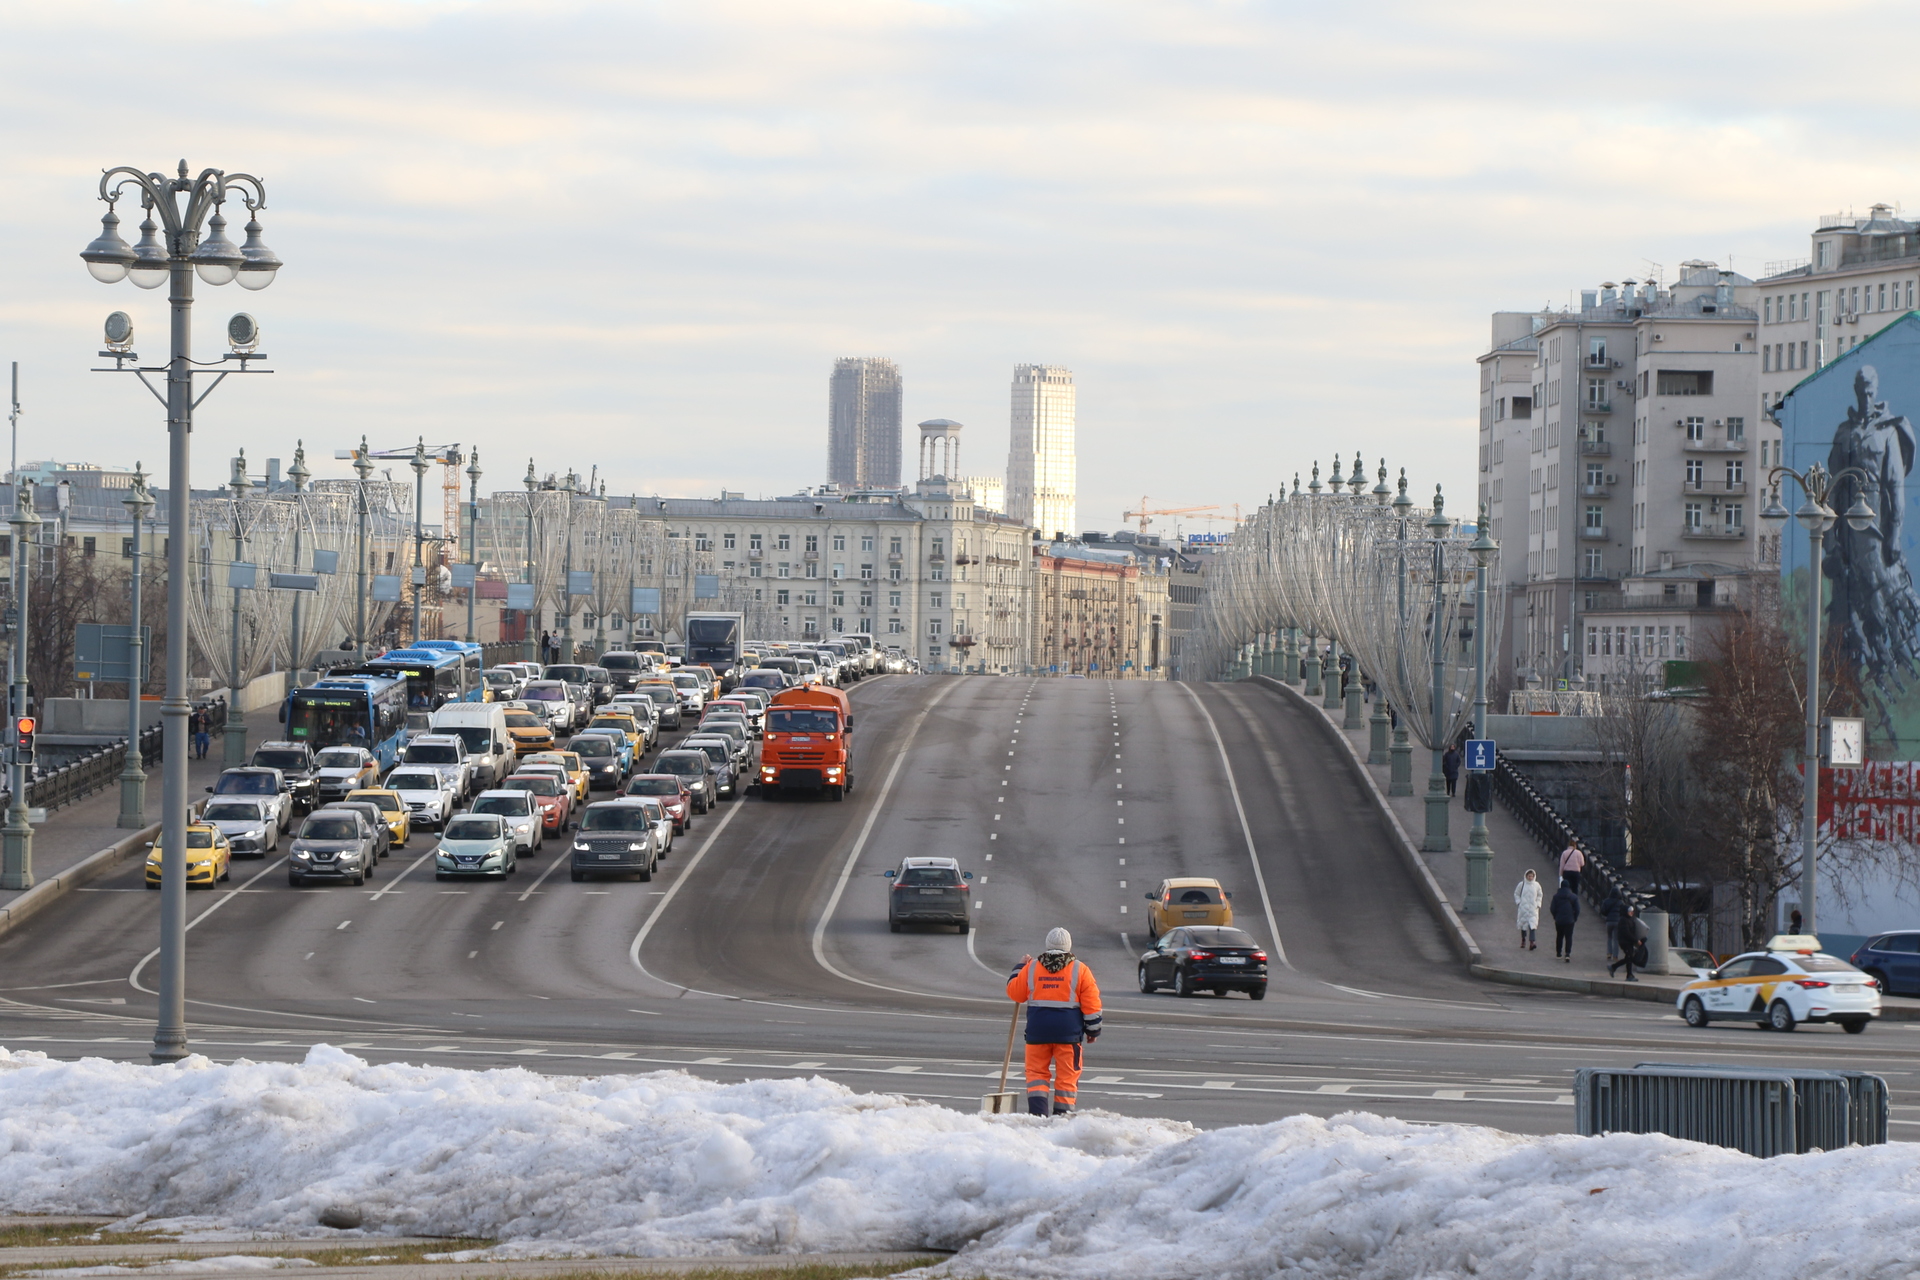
(79, 830)
(1514, 852)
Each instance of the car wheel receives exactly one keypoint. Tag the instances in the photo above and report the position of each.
(292, 879)
(839, 793)
(1693, 1012)
(965, 925)
(1180, 985)
(1779, 1017)
(1854, 1026)
(578, 876)
(226, 873)
(155, 885)
(891, 924)
(1146, 983)
(1257, 993)
(646, 872)
(440, 876)
(1879, 976)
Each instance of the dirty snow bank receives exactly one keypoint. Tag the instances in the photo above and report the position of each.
(664, 1164)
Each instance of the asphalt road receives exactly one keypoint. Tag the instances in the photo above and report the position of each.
(763, 949)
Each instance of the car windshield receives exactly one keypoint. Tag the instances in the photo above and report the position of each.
(245, 784)
(612, 722)
(524, 720)
(550, 694)
(469, 827)
(433, 753)
(620, 661)
(592, 745)
(615, 817)
(1219, 938)
(386, 803)
(338, 759)
(716, 751)
(500, 680)
(232, 811)
(538, 783)
(414, 781)
(930, 877)
(573, 674)
(477, 741)
(1821, 962)
(1193, 895)
(683, 764)
(687, 680)
(801, 720)
(280, 759)
(330, 827)
(512, 806)
(653, 787)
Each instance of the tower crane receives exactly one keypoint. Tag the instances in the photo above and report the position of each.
(449, 458)
(1145, 514)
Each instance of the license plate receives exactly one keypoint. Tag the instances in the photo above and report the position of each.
(1193, 915)
(609, 857)
(1233, 959)
(931, 893)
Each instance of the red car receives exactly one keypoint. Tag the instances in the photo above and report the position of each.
(554, 797)
(671, 791)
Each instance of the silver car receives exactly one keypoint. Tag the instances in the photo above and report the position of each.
(446, 752)
(429, 794)
(251, 826)
(519, 811)
(332, 844)
(475, 844)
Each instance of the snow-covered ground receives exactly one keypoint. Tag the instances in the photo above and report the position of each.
(665, 1164)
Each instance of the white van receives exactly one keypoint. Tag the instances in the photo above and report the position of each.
(483, 727)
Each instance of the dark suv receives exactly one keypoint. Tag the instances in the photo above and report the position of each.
(1892, 960)
(695, 769)
(294, 760)
(929, 891)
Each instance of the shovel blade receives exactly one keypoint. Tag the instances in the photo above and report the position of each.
(1002, 1104)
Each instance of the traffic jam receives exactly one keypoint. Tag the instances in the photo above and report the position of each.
(606, 762)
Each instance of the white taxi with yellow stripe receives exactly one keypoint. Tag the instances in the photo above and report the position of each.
(1790, 982)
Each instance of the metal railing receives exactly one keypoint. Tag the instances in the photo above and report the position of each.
(1553, 833)
(52, 788)
(1760, 1111)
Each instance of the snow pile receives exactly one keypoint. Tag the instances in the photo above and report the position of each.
(176, 1266)
(665, 1164)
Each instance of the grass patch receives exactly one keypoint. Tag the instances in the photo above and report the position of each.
(803, 1271)
(37, 1235)
(396, 1255)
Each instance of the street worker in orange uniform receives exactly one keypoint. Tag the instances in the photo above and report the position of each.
(1063, 1015)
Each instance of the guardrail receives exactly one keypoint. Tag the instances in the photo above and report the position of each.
(1544, 823)
(1761, 1111)
(53, 788)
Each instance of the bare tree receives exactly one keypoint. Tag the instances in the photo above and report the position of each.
(1643, 783)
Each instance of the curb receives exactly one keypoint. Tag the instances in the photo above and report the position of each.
(1443, 912)
(1649, 991)
(92, 867)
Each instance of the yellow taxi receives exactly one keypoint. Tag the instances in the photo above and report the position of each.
(529, 731)
(1188, 900)
(209, 857)
(570, 761)
(612, 718)
(392, 808)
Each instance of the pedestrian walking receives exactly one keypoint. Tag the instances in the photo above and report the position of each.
(1633, 936)
(1612, 909)
(1526, 901)
(1450, 769)
(1063, 1017)
(1572, 863)
(1794, 923)
(202, 738)
(1565, 910)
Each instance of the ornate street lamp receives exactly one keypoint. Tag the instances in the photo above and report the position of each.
(1437, 838)
(1479, 848)
(532, 482)
(362, 467)
(420, 465)
(473, 536)
(133, 778)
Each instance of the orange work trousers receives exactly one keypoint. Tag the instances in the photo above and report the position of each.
(1064, 1060)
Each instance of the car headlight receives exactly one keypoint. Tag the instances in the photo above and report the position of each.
(302, 854)
(581, 848)
(832, 771)
(636, 848)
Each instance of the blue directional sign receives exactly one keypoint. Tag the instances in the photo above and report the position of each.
(1480, 755)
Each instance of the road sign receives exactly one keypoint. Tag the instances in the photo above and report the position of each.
(462, 577)
(1481, 755)
(386, 588)
(520, 596)
(101, 651)
(645, 602)
(579, 582)
(706, 586)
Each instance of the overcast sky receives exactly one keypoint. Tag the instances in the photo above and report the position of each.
(637, 235)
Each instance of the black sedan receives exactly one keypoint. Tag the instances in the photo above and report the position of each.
(1205, 958)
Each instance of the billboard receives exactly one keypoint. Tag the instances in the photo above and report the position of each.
(1860, 412)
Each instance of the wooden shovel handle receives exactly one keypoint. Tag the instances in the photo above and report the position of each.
(1006, 1063)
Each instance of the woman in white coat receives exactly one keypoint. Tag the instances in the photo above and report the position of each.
(1526, 900)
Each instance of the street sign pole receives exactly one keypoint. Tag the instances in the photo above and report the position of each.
(16, 863)
(1482, 756)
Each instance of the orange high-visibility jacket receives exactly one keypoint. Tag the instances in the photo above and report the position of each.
(1063, 1007)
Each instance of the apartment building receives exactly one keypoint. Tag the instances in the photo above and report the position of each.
(1042, 466)
(1628, 450)
(1100, 608)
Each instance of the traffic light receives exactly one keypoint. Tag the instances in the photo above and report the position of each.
(23, 739)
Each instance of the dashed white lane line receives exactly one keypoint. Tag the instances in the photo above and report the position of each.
(343, 924)
(498, 923)
(551, 868)
(394, 884)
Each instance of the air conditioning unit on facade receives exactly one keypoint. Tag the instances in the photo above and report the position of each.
(1718, 423)
(1621, 384)
(1614, 478)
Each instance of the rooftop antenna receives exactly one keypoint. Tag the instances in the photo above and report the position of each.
(13, 420)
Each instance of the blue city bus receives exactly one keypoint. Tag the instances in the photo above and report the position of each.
(434, 676)
(353, 711)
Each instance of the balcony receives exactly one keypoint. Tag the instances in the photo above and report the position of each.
(1596, 491)
(810, 555)
(1595, 449)
(1714, 533)
(755, 553)
(1593, 533)
(1597, 406)
(1601, 362)
(1717, 444)
(1715, 488)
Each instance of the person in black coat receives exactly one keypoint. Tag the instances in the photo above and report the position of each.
(1613, 908)
(1632, 931)
(1450, 767)
(1565, 909)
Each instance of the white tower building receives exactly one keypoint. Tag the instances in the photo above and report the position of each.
(1041, 468)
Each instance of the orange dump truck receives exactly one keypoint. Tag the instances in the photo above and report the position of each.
(808, 744)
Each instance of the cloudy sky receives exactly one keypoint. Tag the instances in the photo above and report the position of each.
(637, 234)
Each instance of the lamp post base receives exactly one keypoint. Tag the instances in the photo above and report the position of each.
(1479, 870)
(1377, 732)
(1312, 669)
(1356, 705)
(233, 739)
(1400, 776)
(1437, 839)
(1330, 676)
(16, 862)
(133, 793)
(168, 1047)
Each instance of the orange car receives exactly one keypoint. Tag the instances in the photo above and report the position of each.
(1186, 901)
(553, 795)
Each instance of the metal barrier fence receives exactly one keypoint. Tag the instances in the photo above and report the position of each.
(1544, 823)
(56, 787)
(1761, 1111)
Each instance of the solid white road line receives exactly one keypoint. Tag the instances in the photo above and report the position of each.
(394, 883)
(133, 979)
(551, 868)
(666, 899)
(1246, 830)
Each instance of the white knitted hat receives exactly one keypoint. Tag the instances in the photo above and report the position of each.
(1059, 940)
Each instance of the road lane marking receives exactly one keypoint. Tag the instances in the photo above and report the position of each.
(1246, 830)
(498, 923)
(551, 868)
(364, 1000)
(133, 979)
(394, 883)
(668, 895)
(343, 924)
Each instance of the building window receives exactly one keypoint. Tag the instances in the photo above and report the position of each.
(1596, 566)
(866, 571)
(785, 542)
(786, 570)
(1695, 513)
(839, 542)
(1736, 428)
(1736, 474)
(893, 546)
(1684, 382)
(1767, 312)
(753, 542)
(726, 541)
(753, 568)
(866, 599)
(783, 597)
(126, 548)
(810, 596)
(813, 542)
(936, 601)
(893, 573)
(938, 573)
(87, 547)
(1736, 517)
(1596, 351)
(895, 626)
(727, 565)
(839, 599)
(893, 599)
(813, 569)
(1696, 430)
(1596, 518)
(866, 542)
(1823, 255)
(1696, 473)
(1679, 642)
(933, 626)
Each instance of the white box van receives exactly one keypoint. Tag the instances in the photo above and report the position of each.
(483, 727)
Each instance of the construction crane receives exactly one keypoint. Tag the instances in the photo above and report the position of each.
(1145, 514)
(449, 458)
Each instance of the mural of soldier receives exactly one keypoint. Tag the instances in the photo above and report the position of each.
(1875, 612)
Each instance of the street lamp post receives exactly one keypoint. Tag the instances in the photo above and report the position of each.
(298, 474)
(233, 740)
(173, 258)
(566, 573)
(16, 862)
(533, 614)
(473, 536)
(133, 779)
(419, 465)
(1400, 763)
(1479, 848)
(1438, 840)
(1816, 516)
(362, 467)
